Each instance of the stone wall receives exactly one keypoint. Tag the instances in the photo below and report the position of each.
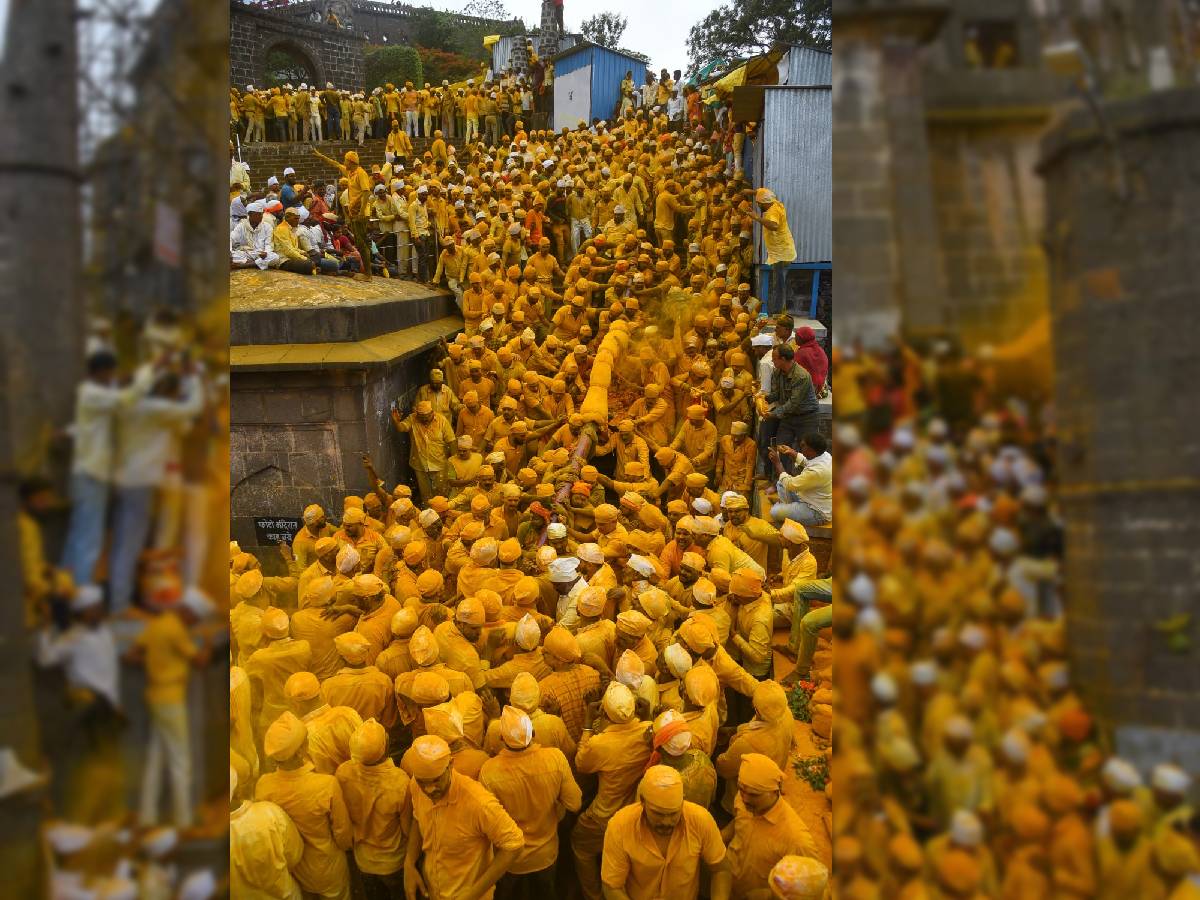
(298, 438)
(1122, 236)
(270, 158)
(334, 54)
(989, 213)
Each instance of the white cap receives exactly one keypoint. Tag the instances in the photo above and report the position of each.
(527, 633)
(862, 590)
(563, 569)
(762, 340)
(556, 531)
(1004, 542)
(641, 565)
(973, 637)
(87, 596)
(67, 837)
(959, 727)
(1120, 776)
(1170, 779)
(198, 602)
(1015, 745)
(288, 171)
(272, 181)
(923, 672)
(160, 841)
(965, 829)
(199, 885)
(883, 688)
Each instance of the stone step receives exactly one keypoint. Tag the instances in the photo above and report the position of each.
(271, 158)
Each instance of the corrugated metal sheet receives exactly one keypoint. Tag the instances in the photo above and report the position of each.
(572, 61)
(502, 51)
(808, 66)
(794, 158)
(608, 70)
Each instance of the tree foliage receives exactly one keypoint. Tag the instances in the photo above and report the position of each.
(444, 65)
(750, 27)
(604, 29)
(392, 64)
(487, 9)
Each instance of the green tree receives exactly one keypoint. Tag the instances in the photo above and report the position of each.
(487, 9)
(751, 27)
(604, 29)
(392, 64)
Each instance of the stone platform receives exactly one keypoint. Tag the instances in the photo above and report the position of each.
(315, 364)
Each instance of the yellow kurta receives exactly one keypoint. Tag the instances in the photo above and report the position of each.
(760, 841)
(459, 835)
(264, 846)
(535, 786)
(315, 805)
(376, 799)
(329, 731)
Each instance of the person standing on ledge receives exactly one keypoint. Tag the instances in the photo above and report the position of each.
(777, 238)
(358, 195)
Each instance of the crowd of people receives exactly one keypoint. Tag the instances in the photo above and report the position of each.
(310, 113)
(966, 764)
(545, 666)
(631, 211)
(125, 602)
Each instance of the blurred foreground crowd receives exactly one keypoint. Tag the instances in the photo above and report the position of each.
(966, 764)
(116, 586)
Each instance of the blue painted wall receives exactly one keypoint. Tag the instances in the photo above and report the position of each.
(608, 69)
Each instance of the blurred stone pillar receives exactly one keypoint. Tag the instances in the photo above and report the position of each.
(41, 319)
(884, 222)
(1124, 251)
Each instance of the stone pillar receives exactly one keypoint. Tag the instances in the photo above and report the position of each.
(1123, 272)
(41, 311)
(884, 221)
(548, 40)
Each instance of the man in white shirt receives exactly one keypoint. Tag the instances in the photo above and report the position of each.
(762, 344)
(250, 242)
(807, 496)
(97, 401)
(87, 651)
(146, 431)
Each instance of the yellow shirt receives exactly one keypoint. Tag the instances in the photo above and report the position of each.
(270, 667)
(376, 799)
(264, 846)
(753, 627)
(633, 863)
(535, 786)
(319, 633)
(618, 755)
(779, 244)
(283, 241)
(329, 730)
(376, 627)
(458, 653)
(169, 652)
(761, 841)
(459, 834)
(315, 805)
(366, 690)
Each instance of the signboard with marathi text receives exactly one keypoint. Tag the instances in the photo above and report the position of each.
(276, 530)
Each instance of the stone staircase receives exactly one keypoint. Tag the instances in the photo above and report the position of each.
(267, 159)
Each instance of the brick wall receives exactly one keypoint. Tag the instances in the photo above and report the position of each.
(268, 159)
(1123, 269)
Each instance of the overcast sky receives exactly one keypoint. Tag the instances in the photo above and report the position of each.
(657, 28)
